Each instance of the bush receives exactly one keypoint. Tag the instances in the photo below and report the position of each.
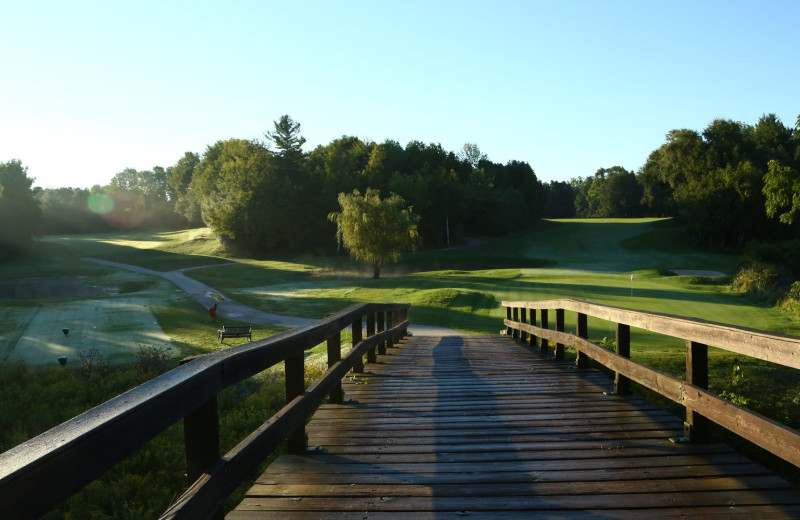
(790, 304)
(152, 359)
(93, 361)
(757, 281)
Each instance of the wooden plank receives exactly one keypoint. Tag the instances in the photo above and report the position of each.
(516, 503)
(449, 426)
(376, 464)
(344, 488)
(350, 475)
(720, 512)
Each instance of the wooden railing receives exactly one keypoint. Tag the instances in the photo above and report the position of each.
(41, 473)
(701, 405)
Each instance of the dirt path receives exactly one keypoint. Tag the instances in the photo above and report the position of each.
(229, 308)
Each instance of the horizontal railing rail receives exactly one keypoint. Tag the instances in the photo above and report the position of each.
(43, 472)
(701, 405)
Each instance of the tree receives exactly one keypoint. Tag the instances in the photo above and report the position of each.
(782, 192)
(376, 230)
(19, 210)
(229, 184)
(67, 211)
(559, 200)
(180, 179)
(287, 139)
(145, 198)
(471, 154)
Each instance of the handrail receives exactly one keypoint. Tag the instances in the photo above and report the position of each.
(701, 405)
(68, 457)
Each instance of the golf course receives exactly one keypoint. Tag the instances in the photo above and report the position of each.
(622, 262)
(110, 298)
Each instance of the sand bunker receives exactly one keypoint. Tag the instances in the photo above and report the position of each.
(696, 272)
(117, 328)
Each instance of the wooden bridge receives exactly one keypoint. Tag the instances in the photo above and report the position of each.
(454, 427)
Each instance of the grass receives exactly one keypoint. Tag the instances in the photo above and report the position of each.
(624, 263)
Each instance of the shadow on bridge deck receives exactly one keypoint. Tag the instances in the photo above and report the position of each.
(484, 427)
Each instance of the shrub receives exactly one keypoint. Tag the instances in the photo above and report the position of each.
(93, 361)
(790, 304)
(757, 281)
(152, 359)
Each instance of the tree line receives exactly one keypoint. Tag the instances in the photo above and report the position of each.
(728, 184)
(270, 196)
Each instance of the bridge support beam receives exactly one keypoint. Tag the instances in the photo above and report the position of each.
(371, 353)
(545, 325)
(696, 428)
(622, 385)
(560, 328)
(515, 317)
(294, 368)
(201, 440)
(381, 326)
(532, 339)
(357, 336)
(334, 345)
(523, 318)
(581, 359)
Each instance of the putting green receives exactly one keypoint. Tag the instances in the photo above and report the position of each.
(115, 327)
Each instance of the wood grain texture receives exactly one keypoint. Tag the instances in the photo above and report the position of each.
(487, 427)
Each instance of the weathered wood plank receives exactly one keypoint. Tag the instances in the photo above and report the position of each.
(516, 503)
(455, 427)
(703, 513)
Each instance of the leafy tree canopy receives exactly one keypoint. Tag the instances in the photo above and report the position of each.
(782, 191)
(20, 213)
(376, 230)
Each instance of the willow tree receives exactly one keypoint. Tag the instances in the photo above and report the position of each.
(375, 230)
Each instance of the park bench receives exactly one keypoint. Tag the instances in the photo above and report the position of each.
(239, 331)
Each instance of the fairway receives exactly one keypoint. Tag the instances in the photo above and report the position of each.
(622, 262)
(116, 328)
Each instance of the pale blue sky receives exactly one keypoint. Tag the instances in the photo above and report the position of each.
(90, 88)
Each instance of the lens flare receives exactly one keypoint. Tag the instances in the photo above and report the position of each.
(100, 203)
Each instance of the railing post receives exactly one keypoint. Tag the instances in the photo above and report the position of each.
(334, 344)
(371, 356)
(581, 359)
(381, 326)
(560, 328)
(532, 339)
(357, 332)
(696, 427)
(201, 439)
(294, 369)
(622, 385)
(515, 317)
(390, 321)
(545, 324)
(508, 317)
(523, 318)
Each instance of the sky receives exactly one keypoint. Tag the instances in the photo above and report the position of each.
(91, 88)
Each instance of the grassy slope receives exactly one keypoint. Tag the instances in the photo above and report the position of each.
(58, 259)
(591, 259)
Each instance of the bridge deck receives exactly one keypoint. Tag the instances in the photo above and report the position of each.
(483, 427)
